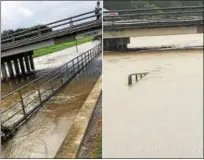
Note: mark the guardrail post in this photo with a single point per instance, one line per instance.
(22, 104)
(73, 66)
(129, 79)
(39, 94)
(136, 78)
(71, 23)
(39, 32)
(13, 39)
(78, 64)
(67, 71)
(61, 80)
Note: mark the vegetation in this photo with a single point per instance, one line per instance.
(99, 150)
(149, 4)
(58, 47)
(97, 142)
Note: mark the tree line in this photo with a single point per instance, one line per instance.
(130, 4)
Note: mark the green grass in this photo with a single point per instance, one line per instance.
(58, 47)
(99, 149)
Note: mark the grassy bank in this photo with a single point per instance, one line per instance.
(58, 47)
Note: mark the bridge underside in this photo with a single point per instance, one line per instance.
(118, 39)
(142, 32)
(18, 61)
(17, 65)
(48, 42)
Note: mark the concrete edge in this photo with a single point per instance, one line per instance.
(75, 136)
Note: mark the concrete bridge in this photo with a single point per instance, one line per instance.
(150, 22)
(17, 49)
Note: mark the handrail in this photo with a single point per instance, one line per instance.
(137, 76)
(51, 23)
(154, 24)
(40, 77)
(39, 31)
(47, 29)
(27, 104)
(154, 9)
(111, 18)
(49, 35)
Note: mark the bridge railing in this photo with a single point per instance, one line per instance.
(138, 76)
(155, 13)
(53, 26)
(149, 16)
(22, 103)
(153, 10)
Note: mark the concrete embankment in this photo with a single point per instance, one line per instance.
(73, 140)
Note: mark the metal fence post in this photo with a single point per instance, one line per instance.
(73, 66)
(61, 81)
(67, 71)
(129, 80)
(39, 94)
(136, 78)
(51, 87)
(22, 103)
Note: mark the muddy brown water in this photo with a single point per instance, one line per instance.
(46, 63)
(161, 116)
(43, 134)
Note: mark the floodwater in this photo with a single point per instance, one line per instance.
(43, 134)
(161, 116)
(46, 63)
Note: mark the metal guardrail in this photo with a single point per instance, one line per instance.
(153, 10)
(154, 24)
(31, 96)
(175, 12)
(137, 76)
(176, 15)
(53, 34)
(67, 22)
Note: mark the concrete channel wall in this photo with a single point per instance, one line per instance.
(71, 145)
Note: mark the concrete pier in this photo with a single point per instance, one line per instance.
(22, 66)
(31, 62)
(113, 44)
(10, 69)
(17, 65)
(27, 64)
(3, 71)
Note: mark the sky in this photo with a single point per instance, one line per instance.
(16, 14)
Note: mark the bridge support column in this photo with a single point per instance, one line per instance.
(22, 65)
(15, 60)
(31, 62)
(116, 44)
(10, 69)
(3, 70)
(27, 64)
